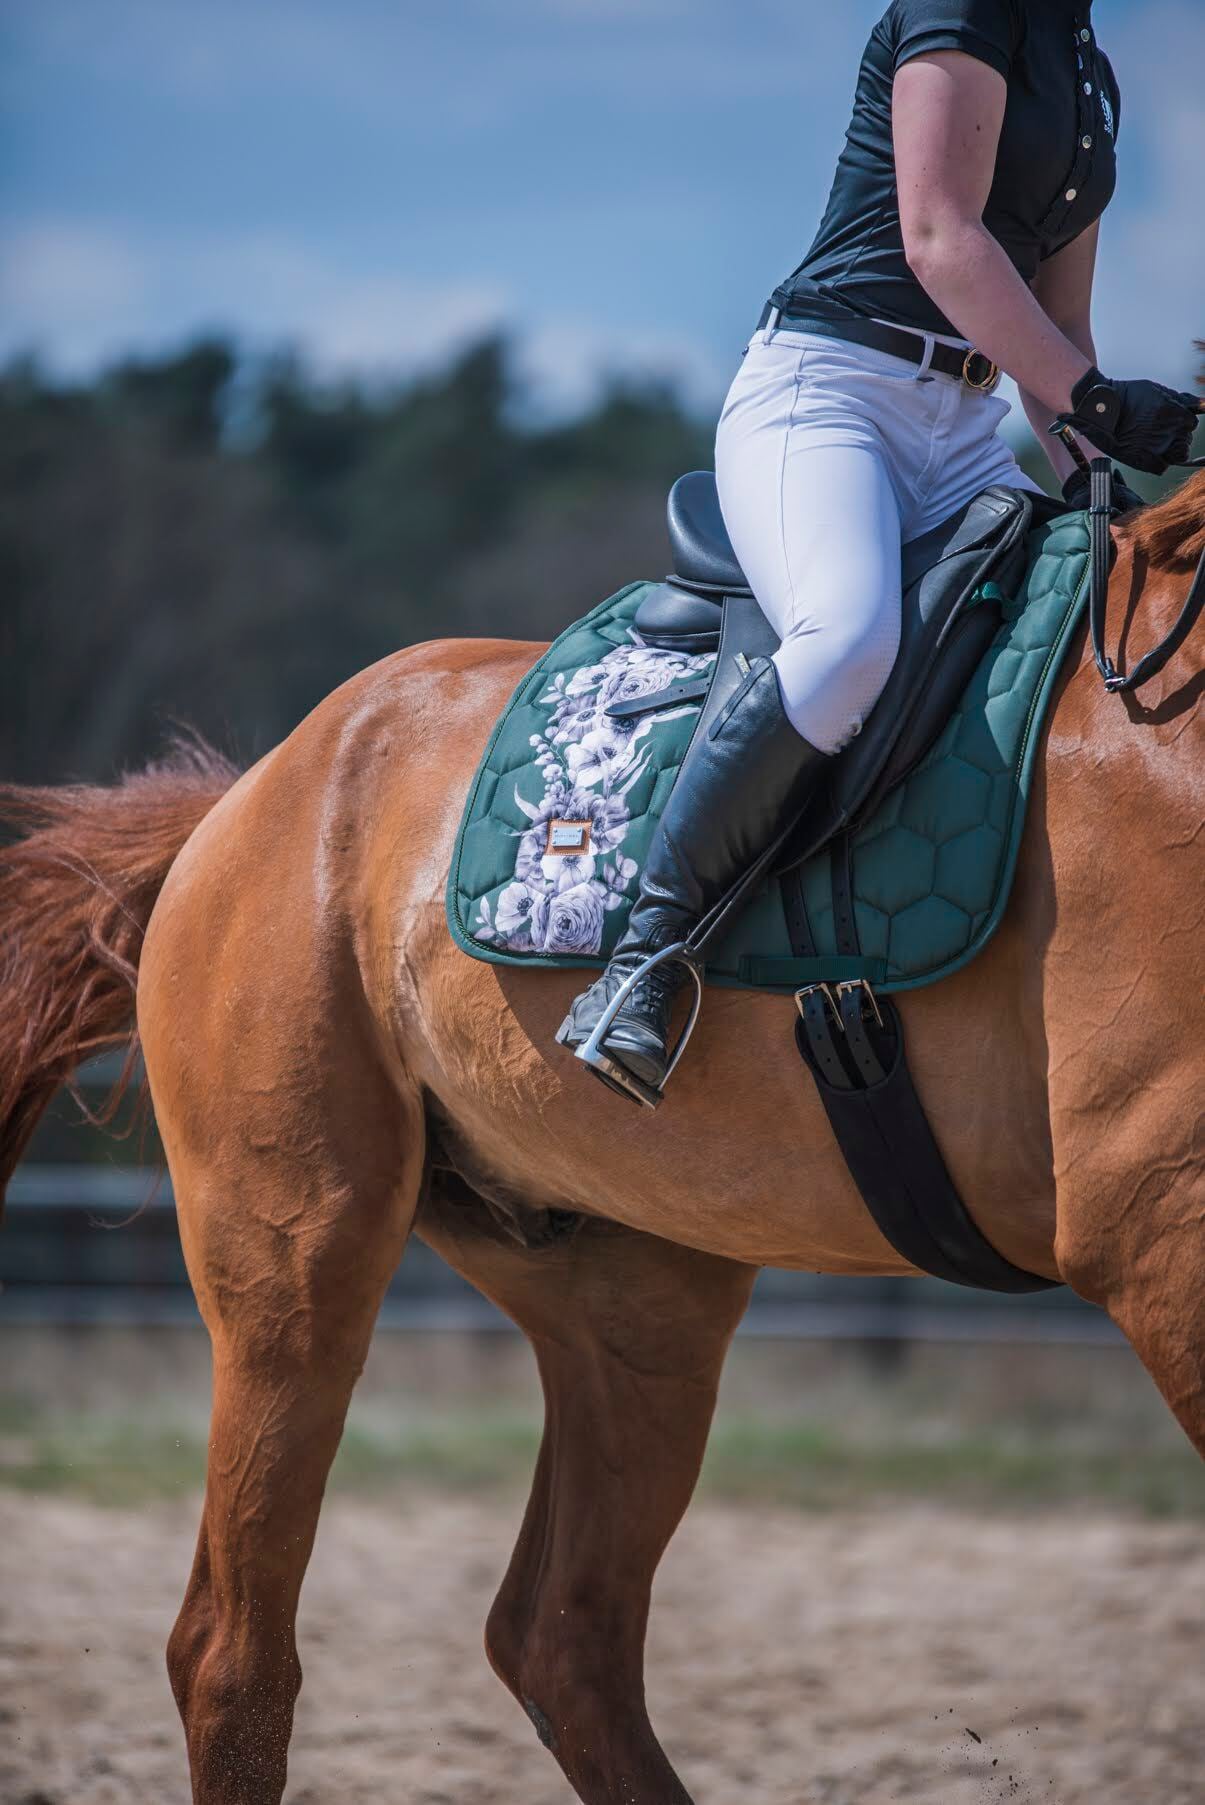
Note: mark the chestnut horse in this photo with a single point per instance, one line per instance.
(330, 1073)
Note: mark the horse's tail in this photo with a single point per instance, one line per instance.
(77, 887)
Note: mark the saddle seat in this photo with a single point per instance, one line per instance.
(957, 580)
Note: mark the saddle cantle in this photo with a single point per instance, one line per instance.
(703, 556)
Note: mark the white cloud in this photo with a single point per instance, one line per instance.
(82, 295)
(48, 264)
(566, 362)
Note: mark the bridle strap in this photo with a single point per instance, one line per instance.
(1101, 554)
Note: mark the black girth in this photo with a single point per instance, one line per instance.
(852, 1042)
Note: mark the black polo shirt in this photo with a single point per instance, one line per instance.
(1055, 167)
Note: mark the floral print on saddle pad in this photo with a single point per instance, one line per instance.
(566, 883)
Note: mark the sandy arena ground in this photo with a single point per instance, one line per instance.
(832, 1660)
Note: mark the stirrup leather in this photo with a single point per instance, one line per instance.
(604, 1065)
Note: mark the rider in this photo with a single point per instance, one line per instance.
(959, 239)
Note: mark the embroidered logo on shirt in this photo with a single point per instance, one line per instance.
(1106, 108)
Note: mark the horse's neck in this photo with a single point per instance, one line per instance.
(1112, 759)
(1160, 551)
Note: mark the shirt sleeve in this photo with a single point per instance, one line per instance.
(988, 30)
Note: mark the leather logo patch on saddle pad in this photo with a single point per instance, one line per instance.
(568, 838)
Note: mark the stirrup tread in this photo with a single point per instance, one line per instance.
(604, 1064)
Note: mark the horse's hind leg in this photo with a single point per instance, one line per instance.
(294, 1210)
(630, 1333)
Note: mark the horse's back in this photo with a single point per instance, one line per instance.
(428, 708)
(308, 863)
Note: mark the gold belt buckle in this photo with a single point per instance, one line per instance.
(984, 385)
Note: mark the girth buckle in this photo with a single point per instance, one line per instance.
(826, 992)
(832, 994)
(868, 996)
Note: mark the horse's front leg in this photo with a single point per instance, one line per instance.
(630, 1334)
(1130, 1163)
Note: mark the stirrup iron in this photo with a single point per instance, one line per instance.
(605, 1066)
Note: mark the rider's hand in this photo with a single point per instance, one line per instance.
(1149, 427)
(1078, 486)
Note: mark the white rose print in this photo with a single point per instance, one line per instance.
(558, 902)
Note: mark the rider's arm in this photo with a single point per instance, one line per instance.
(1063, 290)
(947, 110)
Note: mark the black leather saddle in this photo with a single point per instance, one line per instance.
(956, 579)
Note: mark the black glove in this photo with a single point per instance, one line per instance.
(1077, 492)
(1149, 427)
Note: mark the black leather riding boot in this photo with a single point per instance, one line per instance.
(742, 784)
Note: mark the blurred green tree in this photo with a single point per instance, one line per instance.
(198, 538)
(204, 538)
(184, 395)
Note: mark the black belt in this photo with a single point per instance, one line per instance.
(971, 367)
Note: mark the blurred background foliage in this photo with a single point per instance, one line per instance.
(195, 538)
(209, 539)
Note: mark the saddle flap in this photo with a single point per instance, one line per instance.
(745, 636)
(942, 573)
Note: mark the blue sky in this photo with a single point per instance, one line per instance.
(619, 181)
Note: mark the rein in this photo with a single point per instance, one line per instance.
(1100, 514)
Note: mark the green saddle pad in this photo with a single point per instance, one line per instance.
(565, 802)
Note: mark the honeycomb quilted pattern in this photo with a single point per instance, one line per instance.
(932, 866)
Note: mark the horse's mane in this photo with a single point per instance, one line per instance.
(1172, 532)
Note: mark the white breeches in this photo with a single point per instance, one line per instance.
(829, 456)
